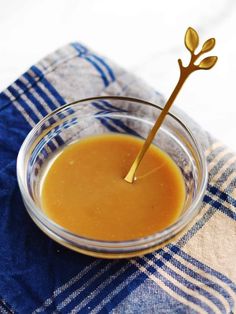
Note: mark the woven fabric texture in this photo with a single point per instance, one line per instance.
(195, 274)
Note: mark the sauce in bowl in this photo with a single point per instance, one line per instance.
(84, 190)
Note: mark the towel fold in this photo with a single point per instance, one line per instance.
(195, 274)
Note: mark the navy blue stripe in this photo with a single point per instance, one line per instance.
(109, 105)
(226, 174)
(49, 136)
(58, 138)
(48, 85)
(46, 142)
(83, 50)
(76, 285)
(19, 83)
(101, 108)
(107, 108)
(32, 98)
(45, 98)
(79, 48)
(99, 69)
(197, 226)
(109, 70)
(107, 125)
(195, 288)
(219, 165)
(111, 287)
(123, 126)
(214, 153)
(190, 285)
(203, 267)
(24, 105)
(128, 289)
(117, 122)
(55, 134)
(177, 290)
(115, 266)
(39, 91)
(222, 195)
(200, 278)
(4, 101)
(82, 47)
(94, 64)
(211, 211)
(70, 122)
(139, 280)
(123, 293)
(225, 210)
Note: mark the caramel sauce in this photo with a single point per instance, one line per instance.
(84, 189)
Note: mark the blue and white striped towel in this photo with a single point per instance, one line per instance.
(196, 274)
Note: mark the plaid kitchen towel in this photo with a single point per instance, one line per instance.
(195, 274)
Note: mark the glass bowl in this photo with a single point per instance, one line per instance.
(101, 115)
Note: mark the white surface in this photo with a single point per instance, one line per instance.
(145, 37)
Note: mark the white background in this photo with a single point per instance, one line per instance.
(144, 36)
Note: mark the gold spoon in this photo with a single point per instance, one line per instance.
(191, 42)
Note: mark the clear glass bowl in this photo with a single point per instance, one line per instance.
(106, 115)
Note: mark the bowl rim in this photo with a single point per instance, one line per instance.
(100, 245)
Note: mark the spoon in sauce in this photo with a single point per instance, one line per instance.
(191, 42)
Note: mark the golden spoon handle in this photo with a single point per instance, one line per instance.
(131, 174)
(191, 42)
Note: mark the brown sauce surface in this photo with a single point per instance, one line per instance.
(84, 190)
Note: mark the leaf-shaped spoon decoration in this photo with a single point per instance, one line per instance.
(191, 42)
(191, 39)
(207, 63)
(208, 45)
